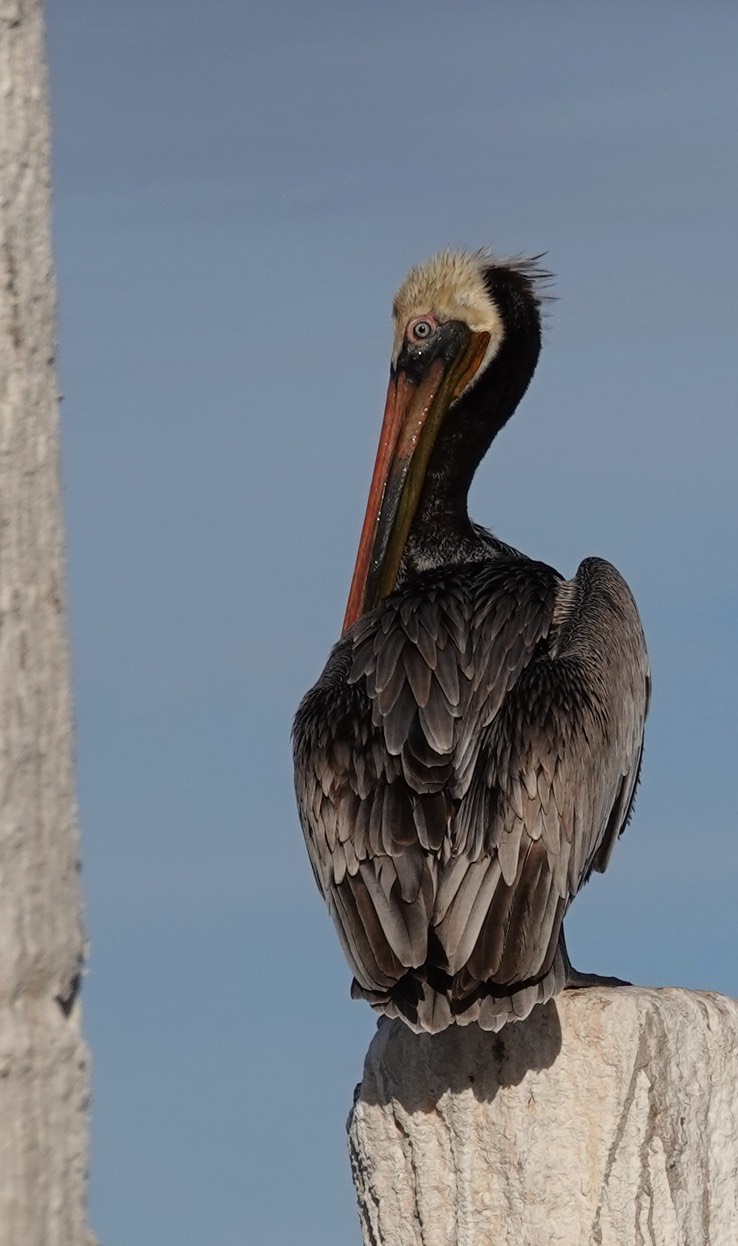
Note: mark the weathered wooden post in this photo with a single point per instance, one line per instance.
(608, 1118)
(43, 1060)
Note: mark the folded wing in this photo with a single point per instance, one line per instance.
(468, 756)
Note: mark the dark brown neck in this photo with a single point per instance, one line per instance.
(475, 419)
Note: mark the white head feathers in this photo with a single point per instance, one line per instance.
(451, 286)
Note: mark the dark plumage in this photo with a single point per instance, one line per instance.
(471, 751)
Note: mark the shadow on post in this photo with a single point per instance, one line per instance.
(416, 1070)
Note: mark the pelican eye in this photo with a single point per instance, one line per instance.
(421, 329)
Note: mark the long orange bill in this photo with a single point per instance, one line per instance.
(413, 415)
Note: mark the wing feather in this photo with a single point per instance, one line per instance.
(468, 757)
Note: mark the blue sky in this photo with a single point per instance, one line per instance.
(239, 190)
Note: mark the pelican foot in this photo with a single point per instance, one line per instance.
(577, 981)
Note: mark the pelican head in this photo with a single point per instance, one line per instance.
(466, 340)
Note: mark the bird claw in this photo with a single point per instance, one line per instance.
(577, 981)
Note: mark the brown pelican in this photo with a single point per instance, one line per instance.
(472, 749)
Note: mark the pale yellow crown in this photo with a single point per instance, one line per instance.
(451, 286)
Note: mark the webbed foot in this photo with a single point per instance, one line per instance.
(576, 981)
